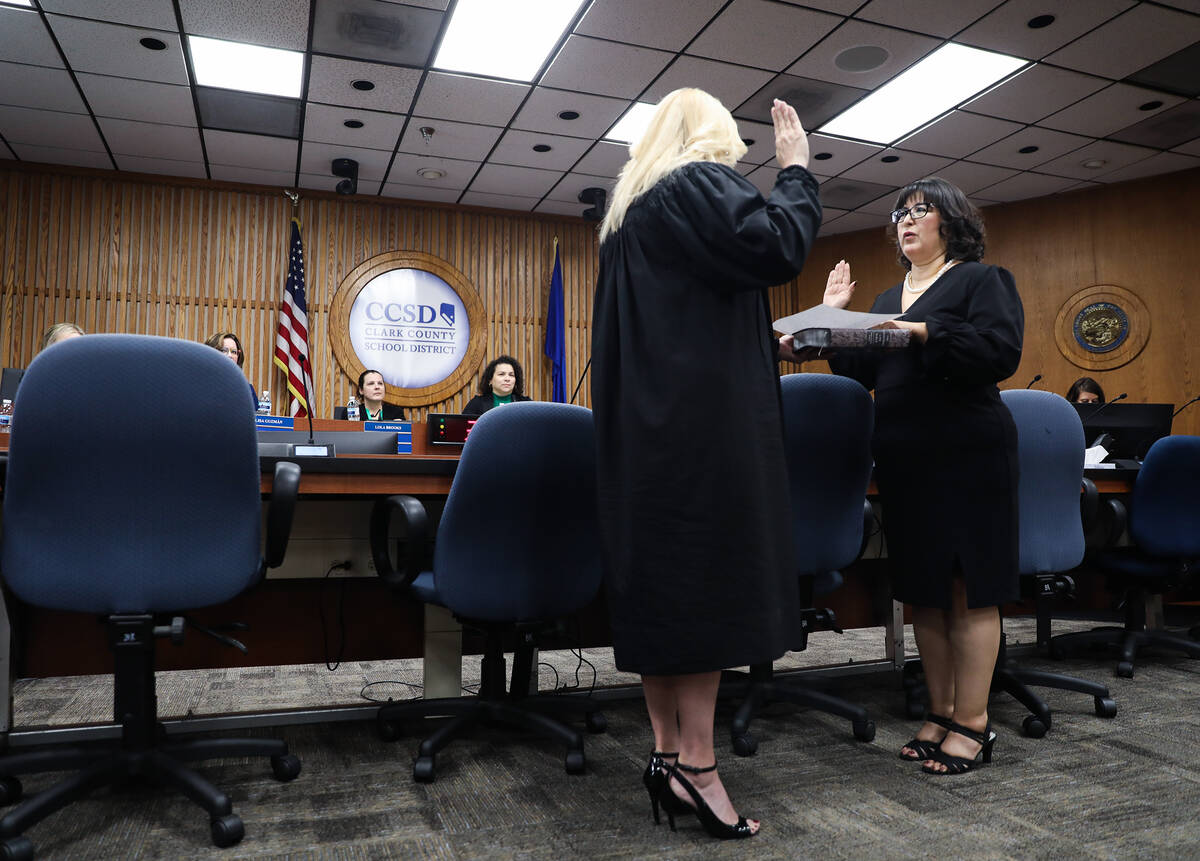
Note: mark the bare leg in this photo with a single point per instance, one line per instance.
(931, 629)
(690, 725)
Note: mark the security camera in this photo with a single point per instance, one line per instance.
(348, 168)
(596, 198)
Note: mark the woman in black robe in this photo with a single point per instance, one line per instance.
(693, 505)
(946, 458)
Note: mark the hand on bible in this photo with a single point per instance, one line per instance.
(919, 330)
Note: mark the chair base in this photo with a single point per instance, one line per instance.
(1127, 642)
(765, 688)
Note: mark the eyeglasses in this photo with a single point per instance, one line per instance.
(231, 352)
(917, 210)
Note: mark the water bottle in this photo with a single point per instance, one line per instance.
(264, 403)
(6, 414)
(352, 410)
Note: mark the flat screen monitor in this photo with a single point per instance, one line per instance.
(449, 428)
(1133, 428)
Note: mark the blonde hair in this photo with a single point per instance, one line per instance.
(688, 125)
(55, 333)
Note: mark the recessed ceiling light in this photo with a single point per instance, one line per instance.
(1094, 163)
(365, 86)
(353, 124)
(430, 173)
(542, 147)
(1039, 22)
(249, 68)
(153, 44)
(568, 115)
(889, 159)
(823, 156)
(1152, 105)
(749, 142)
(631, 126)
(947, 77)
(1026, 150)
(503, 38)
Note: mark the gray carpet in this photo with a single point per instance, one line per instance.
(1128, 787)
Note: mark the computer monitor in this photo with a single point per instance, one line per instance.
(1132, 428)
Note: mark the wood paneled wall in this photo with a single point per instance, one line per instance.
(186, 259)
(183, 258)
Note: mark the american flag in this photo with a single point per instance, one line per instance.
(291, 342)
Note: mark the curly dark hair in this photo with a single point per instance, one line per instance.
(485, 382)
(961, 224)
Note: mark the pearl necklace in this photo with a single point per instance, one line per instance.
(936, 275)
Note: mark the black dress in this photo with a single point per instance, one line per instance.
(693, 504)
(945, 445)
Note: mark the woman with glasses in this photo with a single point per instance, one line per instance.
(946, 458)
(228, 343)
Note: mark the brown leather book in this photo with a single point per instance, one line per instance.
(852, 339)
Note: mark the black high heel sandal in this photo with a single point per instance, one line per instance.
(926, 749)
(655, 778)
(714, 826)
(961, 764)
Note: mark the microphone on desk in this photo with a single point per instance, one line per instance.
(1106, 405)
(1034, 380)
(1185, 406)
(580, 383)
(304, 372)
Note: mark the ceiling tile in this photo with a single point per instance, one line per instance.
(1192, 147)
(258, 152)
(159, 14)
(831, 156)
(568, 188)
(128, 99)
(366, 187)
(330, 80)
(763, 135)
(23, 38)
(252, 175)
(520, 181)
(1163, 162)
(845, 193)
(375, 30)
(1139, 37)
(1035, 93)
(557, 207)
(499, 201)
(39, 87)
(959, 133)
(1186, 5)
(420, 192)
(541, 110)
(48, 128)
(1050, 145)
(170, 167)
(1006, 28)
(1173, 74)
(827, 61)
(458, 172)
(883, 206)
(763, 34)
(935, 17)
(516, 147)
(60, 155)
(763, 179)
(326, 124)
(317, 159)
(853, 221)
(5, 152)
(114, 49)
(604, 159)
(1166, 129)
(841, 7)
(1026, 185)
(816, 102)
(274, 23)
(730, 85)
(253, 113)
(469, 100)
(971, 177)
(909, 166)
(450, 140)
(1110, 109)
(1114, 155)
(665, 24)
(604, 68)
(152, 140)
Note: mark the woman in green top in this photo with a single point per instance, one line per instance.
(503, 382)
(372, 407)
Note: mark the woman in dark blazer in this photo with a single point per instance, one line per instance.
(503, 382)
(371, 405)
(946, 458)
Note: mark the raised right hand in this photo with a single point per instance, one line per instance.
(791, 143)
(839, 289)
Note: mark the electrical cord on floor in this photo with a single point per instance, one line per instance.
(341, 617)
(413, 685)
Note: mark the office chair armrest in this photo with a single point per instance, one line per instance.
(416, 528)
(1110, 525)
(285, 487)
(1089, 504)
(869, 522)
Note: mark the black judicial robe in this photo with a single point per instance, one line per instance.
(698, 556)
(945, 445)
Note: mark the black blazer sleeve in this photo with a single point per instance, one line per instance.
(982, 344)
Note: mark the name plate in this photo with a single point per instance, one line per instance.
(283, 423)
(403, 431)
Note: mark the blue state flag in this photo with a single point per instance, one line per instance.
(556, 341)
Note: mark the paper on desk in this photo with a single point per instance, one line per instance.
(1095, 454)
(825, 317)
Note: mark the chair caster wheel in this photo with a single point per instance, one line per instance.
(285, 767)
(423, 769)
(389, 730)
(10, 790)
(575, 762)
(864, 731)
(1106, 707)
(596, 722)
(744, 744)
(1034, 726)
(1125, 669)
(227, 831)
(17, 849)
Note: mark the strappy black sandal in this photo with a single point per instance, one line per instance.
(926, 749)
(655, 779)
(960, 764)
(713, 825)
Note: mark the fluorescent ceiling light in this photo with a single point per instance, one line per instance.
(249, 68)
(26, 3)
(503, 38)
(633, 125)
(947, 77)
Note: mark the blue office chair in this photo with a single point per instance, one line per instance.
(1164, 523)
(516, 550)
(133, 493)
(828, 421)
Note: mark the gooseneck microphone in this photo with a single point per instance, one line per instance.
(1106, 405)
(1034, 380)
(304, 372)
(581, 377)
(1185, 406)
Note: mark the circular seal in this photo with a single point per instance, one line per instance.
(1101, 327)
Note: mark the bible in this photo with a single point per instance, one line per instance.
(851, 339)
